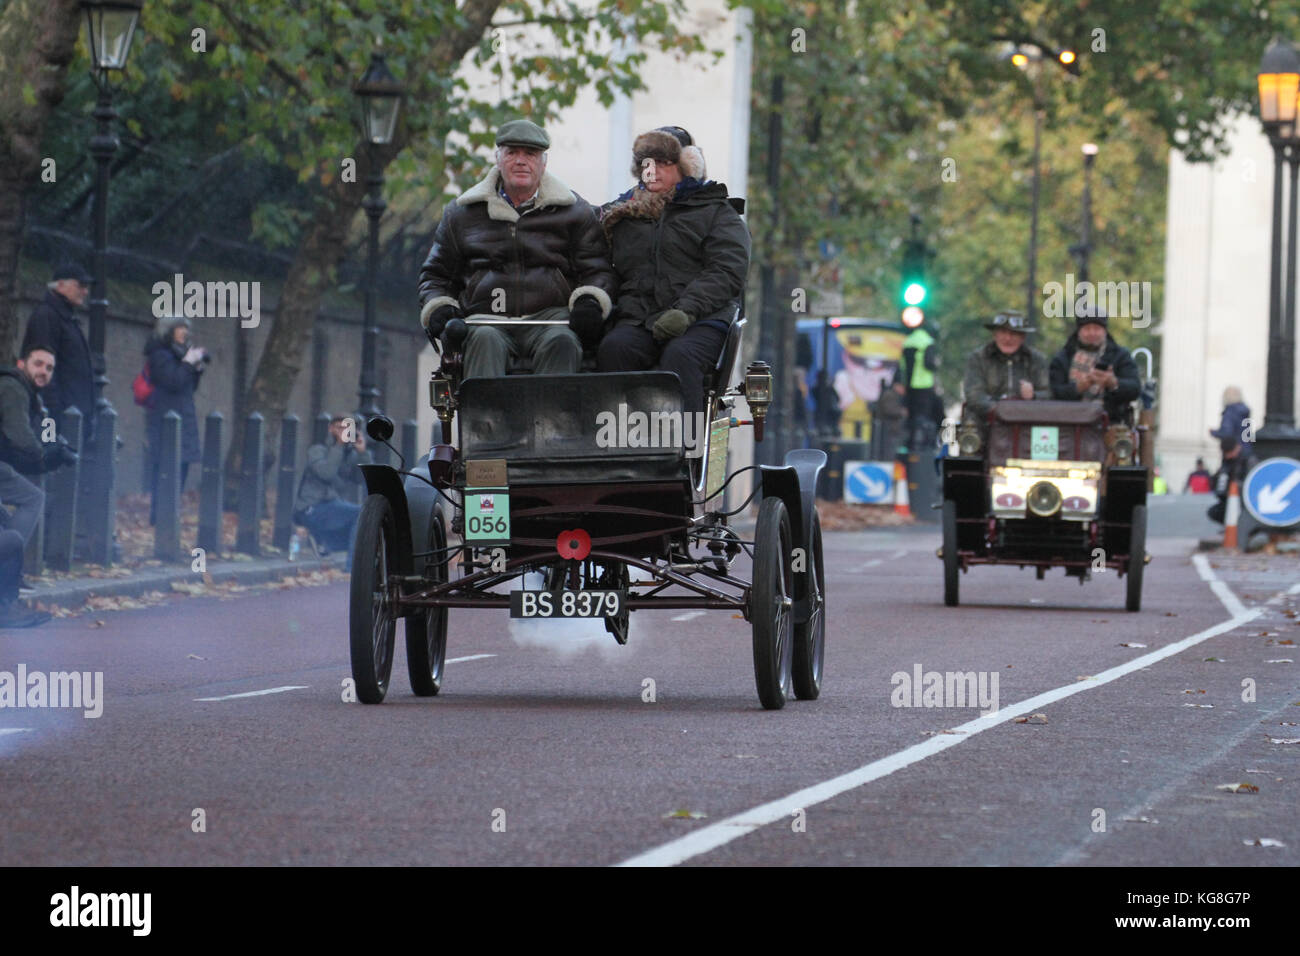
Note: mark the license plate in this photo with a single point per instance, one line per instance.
(487, 516)
(567, 603)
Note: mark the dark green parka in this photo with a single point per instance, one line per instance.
(991, 376)
(687, 250)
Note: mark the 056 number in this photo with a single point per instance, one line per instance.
(489, 525)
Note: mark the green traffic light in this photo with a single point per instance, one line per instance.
(914, 293)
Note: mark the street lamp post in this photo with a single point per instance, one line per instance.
(381, 97)
(1022, 55)
(1083, 251)
(1279, 85)
(111, 27)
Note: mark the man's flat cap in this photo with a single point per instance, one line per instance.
(522, 132)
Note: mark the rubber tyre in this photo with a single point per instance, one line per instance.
(810, 637)
(372, 624)
(1137, 550)
(951, 560)
(426, 629)
(770, 600)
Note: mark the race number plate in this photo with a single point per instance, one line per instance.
(487, 516)
(567, 603)
(1044, 443)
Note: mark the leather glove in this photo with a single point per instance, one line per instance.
(438, 320)
(586, 320)
(670, 325)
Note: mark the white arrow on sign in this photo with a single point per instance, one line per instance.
(1272, 500)
(877, 488)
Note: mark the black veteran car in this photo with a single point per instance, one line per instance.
(1046, 484)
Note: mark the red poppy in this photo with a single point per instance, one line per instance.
(574, 545)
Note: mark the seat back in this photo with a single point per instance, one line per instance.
(1079, 430)
(725, 369)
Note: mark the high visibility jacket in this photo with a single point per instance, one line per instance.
(920, 363)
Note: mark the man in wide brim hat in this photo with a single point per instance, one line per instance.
(1004, 367)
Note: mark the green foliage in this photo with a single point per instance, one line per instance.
(879, 97)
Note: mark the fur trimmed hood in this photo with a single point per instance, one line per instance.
(551, 192)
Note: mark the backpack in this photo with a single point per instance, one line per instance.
(142, 389)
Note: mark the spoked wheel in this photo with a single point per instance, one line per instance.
(426, 629)
(951, 559)
(1137, 558)
(770, 600)
(810, 636)
(373, 624)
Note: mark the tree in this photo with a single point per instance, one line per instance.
(37, 40)
(287, 70)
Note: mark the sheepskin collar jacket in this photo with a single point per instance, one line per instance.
(488, 257)
(686, 250)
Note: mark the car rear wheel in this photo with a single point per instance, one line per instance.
(951, 559)
(1137, 557)
(426, 629)
(770, 604)
(372, 620)
(810, 636)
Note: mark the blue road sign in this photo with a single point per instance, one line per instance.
(1271, 492)
(869, 482)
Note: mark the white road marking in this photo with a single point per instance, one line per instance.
(1221, 590)
(718, 834)
(257, 693)
(14, 730)
(471, 657)
(688, 616)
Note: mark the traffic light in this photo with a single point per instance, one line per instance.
(915, 283)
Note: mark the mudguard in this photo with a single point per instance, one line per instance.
(423, 504)
(795, 483)
(385, 480)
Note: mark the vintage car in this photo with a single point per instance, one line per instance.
(529, 478)
(1046, 484)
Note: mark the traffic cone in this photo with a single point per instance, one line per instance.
(1231, 514)
(901, 505)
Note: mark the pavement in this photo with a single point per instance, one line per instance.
(129, 582)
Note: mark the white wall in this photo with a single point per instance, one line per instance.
(1215, 328)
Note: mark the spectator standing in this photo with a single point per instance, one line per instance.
(54, 324)
(326, 504)
(1236, 413)
(1199, 481)
(1238, 459)
(174, 368)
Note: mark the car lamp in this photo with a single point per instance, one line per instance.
(968, 440)
(758, 393)
(440, 397)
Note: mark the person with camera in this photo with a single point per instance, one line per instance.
(24, 423)
(326, 503)
(174, 367)
(1092, 366)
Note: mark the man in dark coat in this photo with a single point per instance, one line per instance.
(1238, 460)
(174, 368)
(1004, 368)
(681, 253)
(522, 244)
(1092, 366)
(53, 324)
(23, 422)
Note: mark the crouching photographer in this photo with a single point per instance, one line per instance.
(23, 424)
